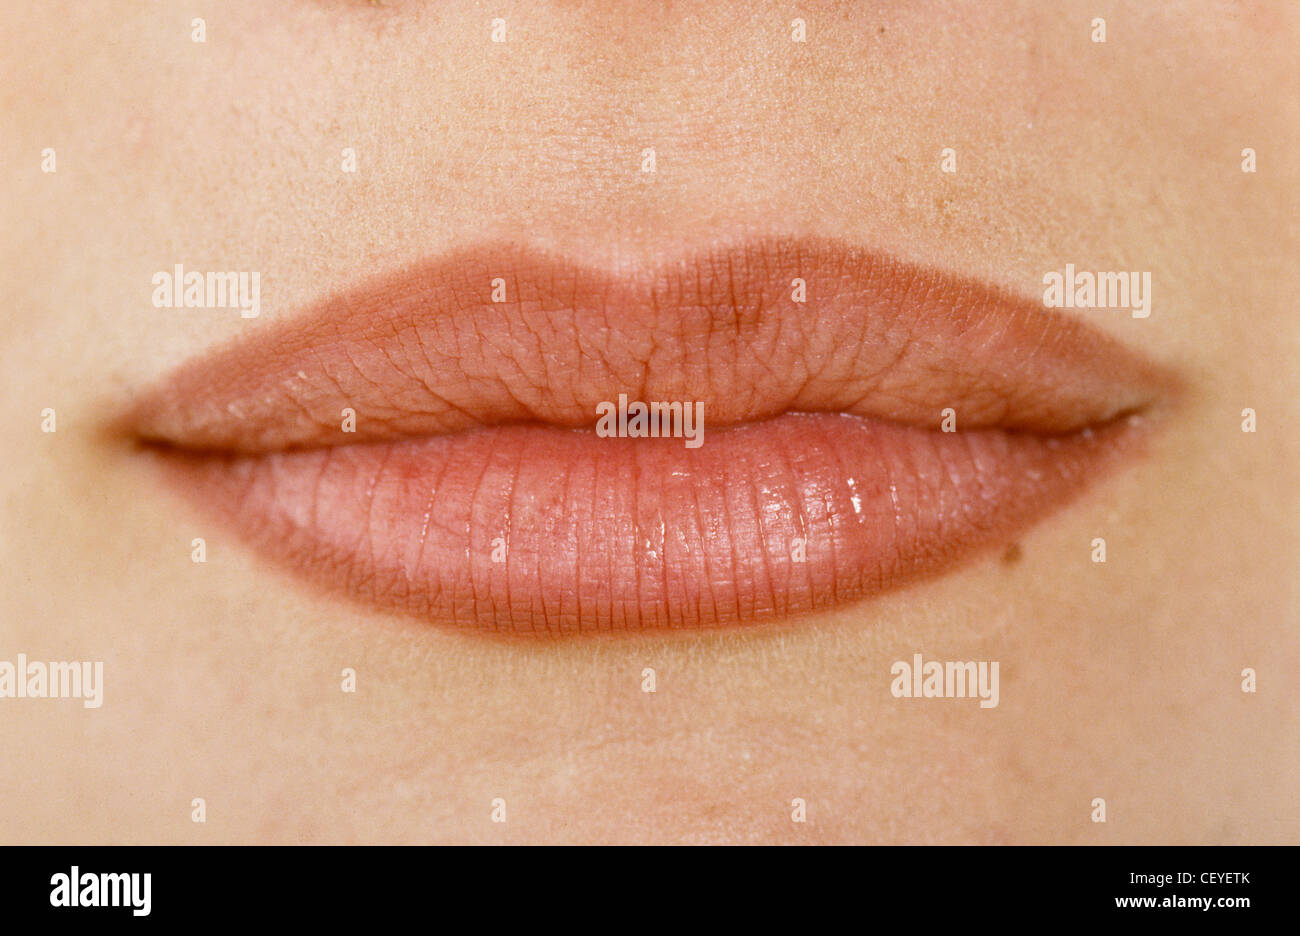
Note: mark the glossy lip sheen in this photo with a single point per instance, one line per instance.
(474, 437)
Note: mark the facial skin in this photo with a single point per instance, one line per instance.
(1120, 681)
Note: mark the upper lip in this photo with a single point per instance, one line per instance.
(399, 440)
(427, 351)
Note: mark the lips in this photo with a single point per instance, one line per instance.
(426, 443)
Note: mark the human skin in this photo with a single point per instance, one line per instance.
(1120, 680)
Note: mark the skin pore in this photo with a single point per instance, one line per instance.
(1120, 680)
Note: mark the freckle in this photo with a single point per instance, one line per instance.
(1012, 554)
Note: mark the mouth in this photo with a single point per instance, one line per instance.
(432, 442)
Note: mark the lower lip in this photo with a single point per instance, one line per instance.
(542, 529)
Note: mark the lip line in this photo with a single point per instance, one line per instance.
(629, 533)
(411, 312)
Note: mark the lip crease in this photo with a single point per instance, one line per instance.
(475, 491)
